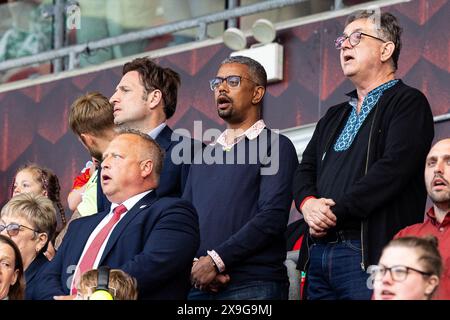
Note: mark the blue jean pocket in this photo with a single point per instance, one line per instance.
(354, 245)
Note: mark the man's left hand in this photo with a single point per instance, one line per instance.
(219, 282)
(317, 234)
(203, 272)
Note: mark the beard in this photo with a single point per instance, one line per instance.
(225, 114)
(229, 116)
(441, 197)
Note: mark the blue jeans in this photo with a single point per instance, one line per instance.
(335, 272)
(251, 290)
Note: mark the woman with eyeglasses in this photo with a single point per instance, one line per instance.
(12, 285)
(409, 269)
(30, 221)
(38, 180)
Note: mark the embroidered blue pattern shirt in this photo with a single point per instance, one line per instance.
(356, 120)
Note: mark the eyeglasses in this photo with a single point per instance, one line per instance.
(233, 81)
(398, 273)
(354, 38)
(13, 229)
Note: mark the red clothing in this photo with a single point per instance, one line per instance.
(442, 232)
(81, 179)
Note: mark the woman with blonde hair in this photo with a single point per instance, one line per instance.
(30, 221)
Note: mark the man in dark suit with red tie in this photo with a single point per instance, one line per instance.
(152, 239)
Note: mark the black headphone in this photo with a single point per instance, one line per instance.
(102, 291)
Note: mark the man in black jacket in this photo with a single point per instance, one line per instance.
(361, 177)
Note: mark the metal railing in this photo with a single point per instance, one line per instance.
(200, 23)
(442, 118)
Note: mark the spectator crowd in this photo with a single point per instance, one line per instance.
(159, 215)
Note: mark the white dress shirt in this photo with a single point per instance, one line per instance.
(154, 133)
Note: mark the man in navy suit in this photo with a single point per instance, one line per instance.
(153, 239)
(145, 98)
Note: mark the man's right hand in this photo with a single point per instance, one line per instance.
(219, 282)
(318, 214)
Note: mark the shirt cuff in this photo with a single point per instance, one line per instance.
(217, 260)
(304, 200)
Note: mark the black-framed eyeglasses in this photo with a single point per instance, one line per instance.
(398, 273)
(233, 81)
(354, 38)
(13, 228)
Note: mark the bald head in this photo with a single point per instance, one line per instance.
(444, 143)
(149, 148)
(131, 164)
(437, 173)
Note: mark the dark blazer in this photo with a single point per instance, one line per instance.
(32, 274)
(174, 174)
(390, 193)
(155, 242)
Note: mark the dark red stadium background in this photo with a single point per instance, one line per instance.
(34, 120)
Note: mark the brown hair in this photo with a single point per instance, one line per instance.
(17, 290)
(37, 210)
(389, 29)
(49, 182)
(154, 77)
(427, 250)
(124, 285)
(91, 113)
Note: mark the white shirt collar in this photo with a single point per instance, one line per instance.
(251, 133)
(131, 202)
(154, 132)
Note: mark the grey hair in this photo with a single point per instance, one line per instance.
(256, 70)
(37, 210)
(388, 29)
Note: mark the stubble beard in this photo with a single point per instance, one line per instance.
(441, 197)
(225, 114)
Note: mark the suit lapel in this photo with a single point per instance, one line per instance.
(83, 233)
(142, 204)
(164, 138)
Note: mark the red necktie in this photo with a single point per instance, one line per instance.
(88, 259)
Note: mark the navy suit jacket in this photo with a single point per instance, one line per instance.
(155, 242)
(174, 175)
(32, 274)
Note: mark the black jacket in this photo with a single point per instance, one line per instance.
(391, 193)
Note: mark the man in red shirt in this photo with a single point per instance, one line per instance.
(437, 221)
